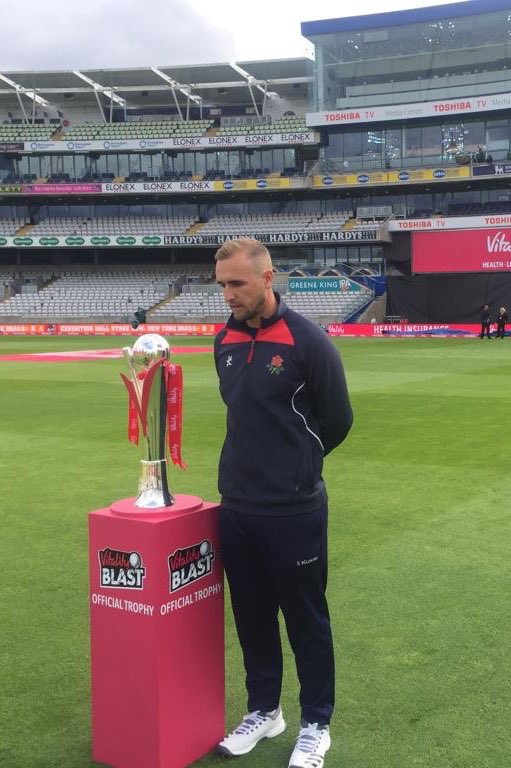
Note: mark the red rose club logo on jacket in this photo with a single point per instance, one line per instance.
(190, 564)
(276, 365)
(121, 570)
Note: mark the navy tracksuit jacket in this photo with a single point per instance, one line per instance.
(287, 407)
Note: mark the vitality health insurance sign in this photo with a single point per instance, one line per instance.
(475, 250)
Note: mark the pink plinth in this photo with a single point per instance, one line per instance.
(157, 634)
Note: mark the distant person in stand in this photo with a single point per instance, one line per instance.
(501, 323)
(480, 156)
(485, 322)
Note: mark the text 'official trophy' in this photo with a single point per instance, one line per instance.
(155, 391)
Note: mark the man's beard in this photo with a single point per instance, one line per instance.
(251, 314)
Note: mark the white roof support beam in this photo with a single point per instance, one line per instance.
(252, 82)
(250, 79)
(265, 98)
(238, 84)
(249, 86)
(29, 93)
(22, 107)
(98, 88)
(186, 90)
(173, 85)
(176, 102)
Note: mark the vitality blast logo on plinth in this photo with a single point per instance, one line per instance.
(190, 564)
(121, 570)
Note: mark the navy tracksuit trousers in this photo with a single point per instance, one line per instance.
(272, 563)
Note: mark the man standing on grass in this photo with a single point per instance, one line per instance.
(485, 321)
(287, 402)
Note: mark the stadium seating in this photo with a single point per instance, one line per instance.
(9, 227)
(195, 305)
(288, 124)
(113, 225)
(95, 293)
(24, 132)
(207, 302)
(180, 225)
(114, 296)
(102, 294)
(274, 223)
(157, 129)
(336, 307)
(365, 225)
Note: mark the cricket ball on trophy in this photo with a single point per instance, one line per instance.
(148, 348)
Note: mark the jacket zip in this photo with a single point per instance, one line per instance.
(251, 351)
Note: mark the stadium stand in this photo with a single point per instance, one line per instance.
(105, 294)
(132, 225)
(11, 226)
(23, 132)
(336, 167)
(181, 225)
(291, 124)
(166, 293)
(197, 304)
(291, 222)
(335, 308)
(157, 129)
(207, 303)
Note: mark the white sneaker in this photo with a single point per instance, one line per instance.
(311, 746)
(254, 727)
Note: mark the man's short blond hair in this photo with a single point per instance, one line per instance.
(253, 248)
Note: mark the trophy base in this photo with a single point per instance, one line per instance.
(183, 505)
(153, 491)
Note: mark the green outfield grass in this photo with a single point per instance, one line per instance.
(419, 583)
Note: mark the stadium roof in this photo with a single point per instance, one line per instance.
(212, 85)
(401, 18)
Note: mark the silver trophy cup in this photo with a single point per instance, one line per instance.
(147, 391)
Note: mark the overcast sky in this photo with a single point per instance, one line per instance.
(127, 33)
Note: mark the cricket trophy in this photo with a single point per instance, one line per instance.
(155, 406)
(156, 594)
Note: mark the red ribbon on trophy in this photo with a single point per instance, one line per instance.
(134, 413)
(137, 413)
(174, 387)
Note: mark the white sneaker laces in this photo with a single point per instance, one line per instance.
(309, 742)
(251, 723)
